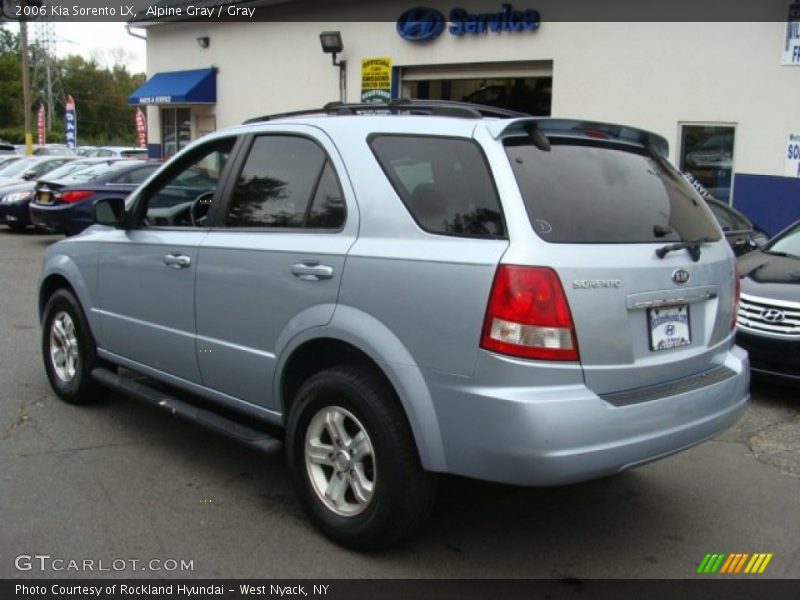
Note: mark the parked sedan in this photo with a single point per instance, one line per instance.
(29, 168)
(768, 322)
(65, 206)
(15, 199)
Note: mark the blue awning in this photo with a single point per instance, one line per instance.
(198, 86)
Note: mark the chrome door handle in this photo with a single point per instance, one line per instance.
(312, 271)
(177, 261)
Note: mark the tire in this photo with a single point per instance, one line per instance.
(69, 350)
(380, 493)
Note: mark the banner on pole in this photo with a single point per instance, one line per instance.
(141, 128)
(40, 126)
(70, 122)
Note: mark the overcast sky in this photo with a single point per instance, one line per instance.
(102, 41)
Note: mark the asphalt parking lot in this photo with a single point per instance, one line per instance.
(121, 481)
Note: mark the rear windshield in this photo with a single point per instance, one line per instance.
(98, 170)
(594, 192)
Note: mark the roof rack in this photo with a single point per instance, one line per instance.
(441, 108)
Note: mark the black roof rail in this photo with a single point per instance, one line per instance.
(442, 108)
(296, 113)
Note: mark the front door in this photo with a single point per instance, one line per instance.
(146, 274)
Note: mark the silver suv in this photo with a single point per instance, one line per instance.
(410, 289)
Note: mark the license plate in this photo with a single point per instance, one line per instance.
(44, 197)
(669, 327)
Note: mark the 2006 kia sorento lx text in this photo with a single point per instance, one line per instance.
(443, 288)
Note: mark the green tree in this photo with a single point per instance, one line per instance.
(100, 94)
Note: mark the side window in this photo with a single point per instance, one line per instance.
(327, 211)
(286, 182)
(184, 196)
(444, 183)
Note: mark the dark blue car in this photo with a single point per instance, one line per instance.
(65, 205)
(15, 197)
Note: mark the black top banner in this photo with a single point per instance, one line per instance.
(209, 11)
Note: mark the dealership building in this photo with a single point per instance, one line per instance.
(726, 95)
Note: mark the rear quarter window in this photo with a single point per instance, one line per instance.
(445, 183)
(593, 192)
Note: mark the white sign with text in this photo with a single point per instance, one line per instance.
(791, 41)
(793, 156)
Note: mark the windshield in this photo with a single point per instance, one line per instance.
(788, 243)
(18, 167)
(594, 192)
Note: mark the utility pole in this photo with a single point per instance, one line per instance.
(26, 85)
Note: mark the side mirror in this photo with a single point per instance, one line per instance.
(109, 211)
(28, 175)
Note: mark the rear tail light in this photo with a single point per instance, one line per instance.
(528, 315)
(75, 196)
(737, 291)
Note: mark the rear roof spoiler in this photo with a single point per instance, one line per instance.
(574, 128)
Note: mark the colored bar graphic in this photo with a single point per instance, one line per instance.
(717, 564)
(702, 567)
(731, 564)
(741, 563)
(765, 563)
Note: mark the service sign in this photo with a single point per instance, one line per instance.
(376, 79)
(793, 155)
(791, 43)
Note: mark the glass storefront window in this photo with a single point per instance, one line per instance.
(707, 153)
(176, 130)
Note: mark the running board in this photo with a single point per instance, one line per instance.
(254, 438)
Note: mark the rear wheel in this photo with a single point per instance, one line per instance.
(353, 459)
(69, 350)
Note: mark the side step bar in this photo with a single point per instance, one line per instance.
(254, 438)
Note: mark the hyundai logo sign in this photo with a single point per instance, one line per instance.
(420, 24)
(773, 315)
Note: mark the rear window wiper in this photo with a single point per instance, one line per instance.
(693, 247)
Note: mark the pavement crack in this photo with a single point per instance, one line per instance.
(22, 418)
(80, 449)
(778, 445)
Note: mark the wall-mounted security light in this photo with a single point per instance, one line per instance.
(204, 42)
(332, 44)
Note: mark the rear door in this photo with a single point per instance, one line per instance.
(604, 216)
(273, 265)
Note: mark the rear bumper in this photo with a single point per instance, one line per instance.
(564, 434)
(16, 214)
(62, 218)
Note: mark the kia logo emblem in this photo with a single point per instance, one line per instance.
(420, 24)
(772, 315)
(680, 276)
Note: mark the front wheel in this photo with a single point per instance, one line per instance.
(353, 459)
(68, 350)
